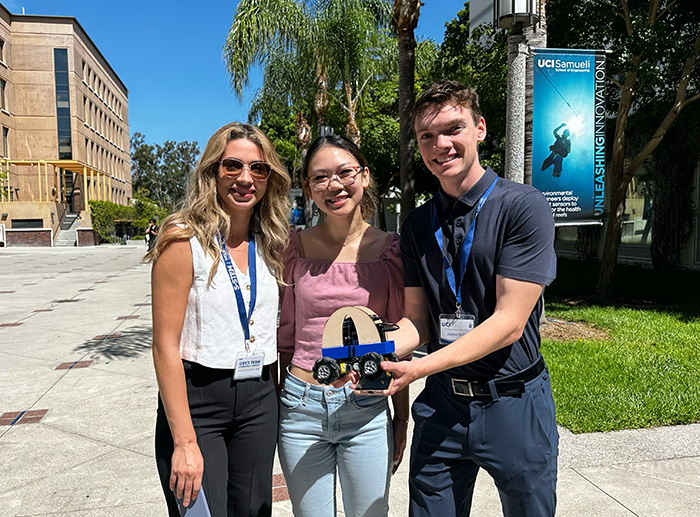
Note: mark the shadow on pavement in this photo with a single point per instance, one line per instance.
(120, 345)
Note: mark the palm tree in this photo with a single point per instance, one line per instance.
(335, 37)
(405, 20)
(287, 82)
(268, 33)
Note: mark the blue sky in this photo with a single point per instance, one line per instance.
(169, 55)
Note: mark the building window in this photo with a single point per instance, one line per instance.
(2, 50)
(60, 57)
(5, 142)
(3, 101)
(23, 224)
(636, 221)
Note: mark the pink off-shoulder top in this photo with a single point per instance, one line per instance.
(317, 288)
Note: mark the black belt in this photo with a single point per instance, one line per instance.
(511, 385)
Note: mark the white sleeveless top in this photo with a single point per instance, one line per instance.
(211, 333)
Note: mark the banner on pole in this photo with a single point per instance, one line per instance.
(568, 133)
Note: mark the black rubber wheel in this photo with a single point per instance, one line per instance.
(326, 370)
(369, 365)
(394, 357)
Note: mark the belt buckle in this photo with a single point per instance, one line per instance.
(469, 385)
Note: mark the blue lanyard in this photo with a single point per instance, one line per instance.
(456, 284)
(245, 318)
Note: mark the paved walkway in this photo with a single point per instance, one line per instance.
(78, 398)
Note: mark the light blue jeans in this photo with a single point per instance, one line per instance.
(327, 432)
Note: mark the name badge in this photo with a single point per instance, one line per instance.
(248, 366)
(454, 326)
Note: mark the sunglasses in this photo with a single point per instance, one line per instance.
(234, 167)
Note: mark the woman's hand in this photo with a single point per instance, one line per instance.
(186, 472)
(400, 430)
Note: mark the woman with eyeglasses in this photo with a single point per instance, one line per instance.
(329, 431)
(217, 265)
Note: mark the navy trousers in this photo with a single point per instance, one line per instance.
(514, 438)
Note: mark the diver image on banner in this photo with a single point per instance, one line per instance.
(560, 150)
(568, 133)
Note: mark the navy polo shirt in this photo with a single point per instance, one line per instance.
(513, 237)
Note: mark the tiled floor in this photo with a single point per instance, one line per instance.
(22, 417)
(74, 364)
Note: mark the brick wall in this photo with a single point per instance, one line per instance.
(28, 238)
(87, 237)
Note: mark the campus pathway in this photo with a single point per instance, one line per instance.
(78, 398)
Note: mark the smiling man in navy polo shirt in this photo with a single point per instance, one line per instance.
(477, 257)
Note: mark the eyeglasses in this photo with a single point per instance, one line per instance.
(345, 177)
(233, 167)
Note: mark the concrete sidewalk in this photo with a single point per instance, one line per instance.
(78, 398)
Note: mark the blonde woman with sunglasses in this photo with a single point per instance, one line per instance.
(216, 269)
(329, 432)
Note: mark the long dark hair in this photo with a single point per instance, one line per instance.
(368, 205)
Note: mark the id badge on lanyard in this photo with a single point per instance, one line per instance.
(249, 364)
(453, 326)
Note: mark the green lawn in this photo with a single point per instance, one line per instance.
(647, 374)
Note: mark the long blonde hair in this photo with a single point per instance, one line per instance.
(203, 214)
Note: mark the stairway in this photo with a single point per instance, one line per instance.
(67, 235)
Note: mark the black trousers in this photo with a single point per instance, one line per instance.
(236, 426)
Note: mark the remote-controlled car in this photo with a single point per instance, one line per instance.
(354, 339)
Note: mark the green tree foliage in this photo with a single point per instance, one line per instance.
(162, 170)
(381, 131)
(669, 179)
(372, 94)
(337, 42)
(145, 209)
(654, 47)
(104, 214)
(278, 123)
(479, 61)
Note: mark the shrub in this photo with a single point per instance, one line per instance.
(104, 213)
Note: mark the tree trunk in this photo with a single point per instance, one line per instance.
(406, 13)
(321, 103)
(619, 178)
(407, 46)
(611, 244)
(352, 130)
(302, 133)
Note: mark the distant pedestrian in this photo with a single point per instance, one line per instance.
(216, 269)
(298, 218)
(151, 234)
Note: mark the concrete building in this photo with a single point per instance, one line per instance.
(64, 117)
